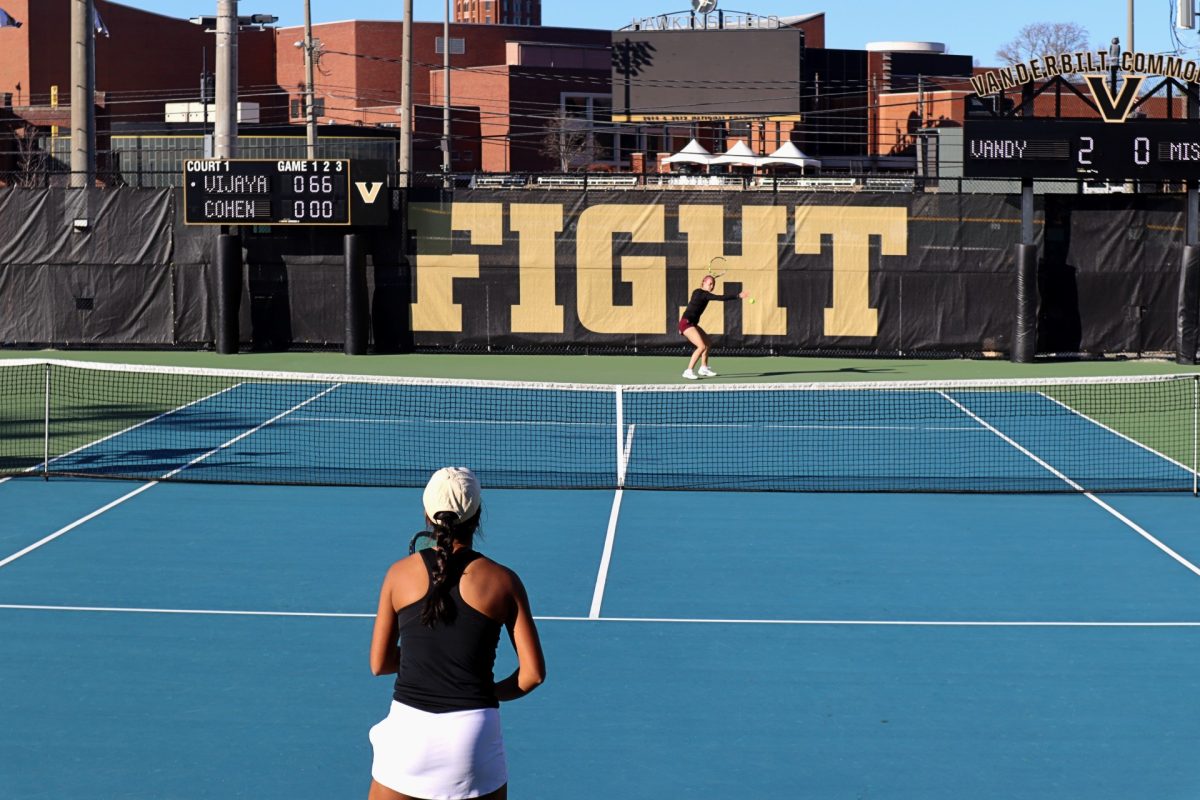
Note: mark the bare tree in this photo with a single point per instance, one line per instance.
(1044, 38)
(31, 159)
(565, 140)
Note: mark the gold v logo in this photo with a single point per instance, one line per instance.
(1115, 109)
(368, 191)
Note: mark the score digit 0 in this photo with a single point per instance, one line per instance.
(313, 209)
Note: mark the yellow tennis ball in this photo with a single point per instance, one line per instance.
(752, 301)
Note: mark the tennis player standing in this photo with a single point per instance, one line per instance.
(437, 628)
(689, 326)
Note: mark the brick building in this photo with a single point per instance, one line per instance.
(499, 12)
(131, 91)
(506, 82)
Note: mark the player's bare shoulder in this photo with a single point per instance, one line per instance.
(494, 572)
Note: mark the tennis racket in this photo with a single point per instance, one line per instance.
(712, 267)
(421, 541)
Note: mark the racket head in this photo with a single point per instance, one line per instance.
(713, 266)
(423, 540)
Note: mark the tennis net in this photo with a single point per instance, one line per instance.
(159, 423)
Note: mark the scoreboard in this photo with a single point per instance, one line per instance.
(267, 192)
(1150, 150)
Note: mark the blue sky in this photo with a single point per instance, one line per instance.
(849, 23)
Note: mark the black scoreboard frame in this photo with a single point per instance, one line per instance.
(279, 192)
(1082, 149)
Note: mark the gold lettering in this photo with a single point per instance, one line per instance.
(757, 268)
(1127, 61)
(595, 274)
(851, 228)
(535, 225)
(1051, 66)
(1154, 64)
(1006, 78)
(437, 268)
(977, 83)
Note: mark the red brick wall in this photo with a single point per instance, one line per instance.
(357, 83)
(165, 64)
(487, 90)
(14, 54)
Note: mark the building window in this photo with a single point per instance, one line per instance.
(594, 114)
(576, 106)
(457, 46)
(297, 107)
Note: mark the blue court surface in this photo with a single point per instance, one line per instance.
(182, 640)
(211, 641)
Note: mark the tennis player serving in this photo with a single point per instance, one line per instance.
(689, 325)
(439, 619)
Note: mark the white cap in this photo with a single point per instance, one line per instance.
(454, 489)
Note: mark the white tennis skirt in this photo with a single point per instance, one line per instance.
(450, 756)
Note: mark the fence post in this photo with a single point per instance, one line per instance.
(357, 308)
(229, 292)
(1187, 326)
(1024, 343)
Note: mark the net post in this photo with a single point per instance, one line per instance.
(46, 427)
(620, 399)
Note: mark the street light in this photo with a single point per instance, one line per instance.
(226, 24)
(260, 20)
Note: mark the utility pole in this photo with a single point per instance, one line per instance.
(446, 97)
(204, 101)
(406, 105)
(83, 93)
(225, 123)
(309, 99)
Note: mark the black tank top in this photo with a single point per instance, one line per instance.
(447, 667)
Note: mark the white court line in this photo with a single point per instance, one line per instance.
(749, 425)
(611, 535)
(606, 556)
(1130, 523)
(912, 623)
(442, 421)
(1115, 432)
(67, 529)
(81, 448)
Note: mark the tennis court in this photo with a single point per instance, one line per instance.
(1030, 628)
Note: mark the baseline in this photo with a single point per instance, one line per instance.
(901, 623)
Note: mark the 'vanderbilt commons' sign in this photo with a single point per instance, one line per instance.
(626, 244)
(1087, 63)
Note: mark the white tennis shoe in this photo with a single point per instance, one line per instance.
(705, 372)
(691, 376)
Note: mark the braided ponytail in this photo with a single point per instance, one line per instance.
(446, 531)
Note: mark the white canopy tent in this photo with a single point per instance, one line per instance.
(693, 153)
(789, 156)
(738, 155)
